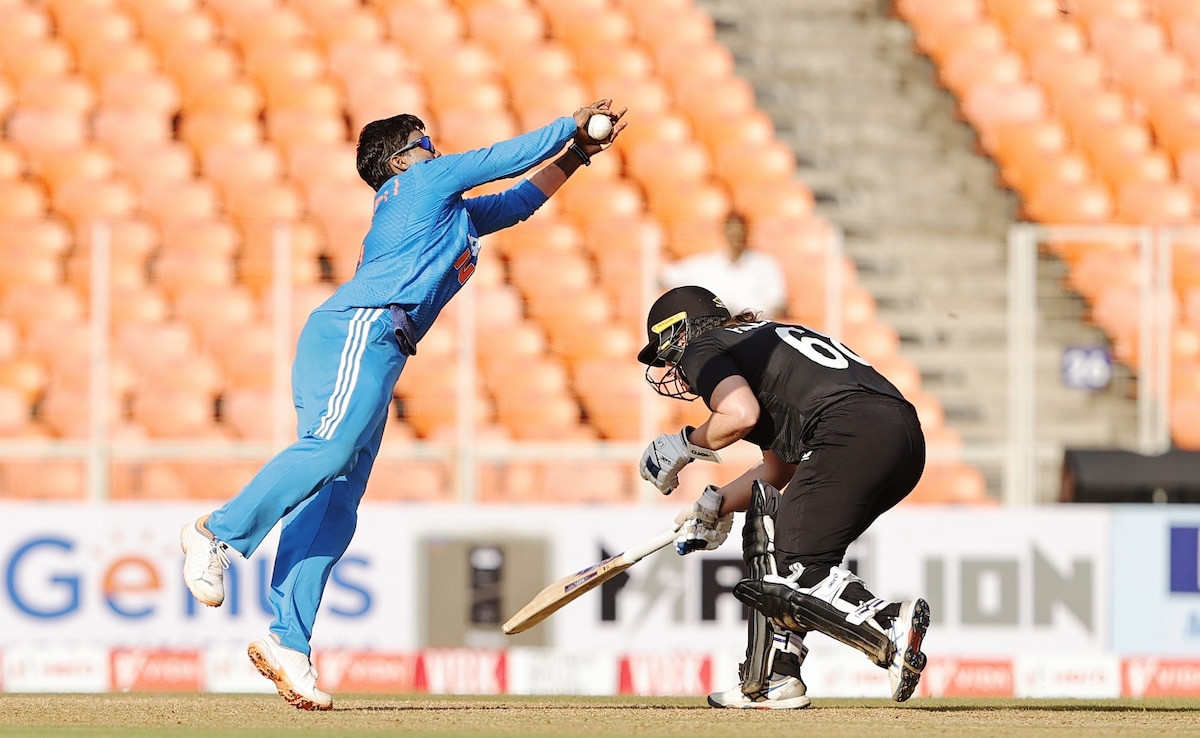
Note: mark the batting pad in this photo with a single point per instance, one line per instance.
(801, 612)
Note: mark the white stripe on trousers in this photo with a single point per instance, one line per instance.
(348, 369)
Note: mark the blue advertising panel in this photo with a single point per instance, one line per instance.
(1156, 580)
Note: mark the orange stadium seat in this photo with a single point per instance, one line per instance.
(702, 201)
(941, 39)
(547, 416)
(16, 416)
(371, 97)
(1090, 12)
(176, 412)
(1156, 203)
(291, 127)
(19, 23)
(21, 199)
(28, 58)
(1124, 41)
(1146, 77)
(196, 65)
(666, 164)
(539, 236)
(467, 128)
(1063, 71)
(587, 201)
(205, 129)
(168, 25)
(546, 58)
(152, 91)
(1175, 120)
(12, 161)
(237, 97)
(1071, 203)
(409, 480)
(989, 104)
(1032, 35)
(1119, 168)
(235, 166)
(82, 201)
(25, 377)
(69, 92)
(355, 24)
(88, 162)
(510, 345)
(269, 26)
(612, 392)
(209, 308)
(186, 200)
(127, 132)
(1185, 431)
(1102, 270)
(950, 483)
(505, 29)
(66, 410)
(266, 202)
(586, 482)
(970, 66)
(1175, 11)
(36, 131)
(562, 310)
(43, 479)
(180, 269)
(1011, 12)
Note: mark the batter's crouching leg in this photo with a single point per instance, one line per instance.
(770, 675)
(890, 634)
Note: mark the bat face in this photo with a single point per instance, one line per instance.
(583, 576)
(557, 594)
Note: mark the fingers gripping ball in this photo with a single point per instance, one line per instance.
(599, 127)
(701, 526)
(667, 454)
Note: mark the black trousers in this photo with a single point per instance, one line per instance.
(865, 454)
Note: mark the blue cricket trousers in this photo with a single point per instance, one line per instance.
(347, 363)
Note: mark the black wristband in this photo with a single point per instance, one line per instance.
(587, 160)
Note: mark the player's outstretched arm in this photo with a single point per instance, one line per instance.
(549, 179)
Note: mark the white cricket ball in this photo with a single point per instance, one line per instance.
(599, 126)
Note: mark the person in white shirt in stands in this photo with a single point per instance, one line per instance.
(742, 276)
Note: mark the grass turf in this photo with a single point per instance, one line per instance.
(267, 716)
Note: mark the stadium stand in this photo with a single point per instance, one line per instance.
(197, 128)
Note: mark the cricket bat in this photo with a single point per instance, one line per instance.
(557, 594)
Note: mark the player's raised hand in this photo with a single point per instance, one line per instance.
(594, 144)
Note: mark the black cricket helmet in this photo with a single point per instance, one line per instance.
(678, 316)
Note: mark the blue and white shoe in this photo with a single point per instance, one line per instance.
(782, 693)
(205, 560)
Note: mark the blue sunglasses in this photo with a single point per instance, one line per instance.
(422, 142)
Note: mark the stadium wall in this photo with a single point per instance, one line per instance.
(1083, 601)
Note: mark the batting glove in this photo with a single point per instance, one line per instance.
(701, 528)
(667, 454)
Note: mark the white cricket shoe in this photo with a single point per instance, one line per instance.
(293, 674)
(907, 632)
(782, 693)
(204, 563)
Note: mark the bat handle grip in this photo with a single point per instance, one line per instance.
(662, 540)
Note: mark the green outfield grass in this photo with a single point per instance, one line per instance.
(266, 716)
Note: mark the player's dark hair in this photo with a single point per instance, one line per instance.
(742, 318)
(377, 141)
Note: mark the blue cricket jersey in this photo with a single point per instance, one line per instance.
(423, 243)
